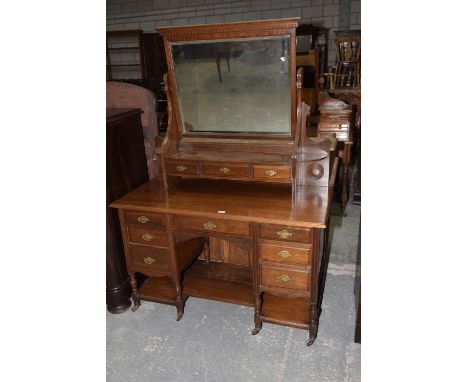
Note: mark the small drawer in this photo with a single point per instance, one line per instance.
(156, 259)
(147, 235)
(144, 219)
(178, 167)
(278, 232)
(226, 170)
(284, 278)
(210, 225)
(285, 253)
(272, 172)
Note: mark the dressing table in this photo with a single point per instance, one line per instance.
(240, 212)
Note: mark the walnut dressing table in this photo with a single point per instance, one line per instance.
(240, 212)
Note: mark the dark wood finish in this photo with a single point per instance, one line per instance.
(335, 120)
(278, 252)
(152, 260)
(221, 282)
(285, 311)
(242, 156)
(283, 277)
(348, 60)
(145, 235)
(147, 220)
(243, 218)
(126, 169)
(181, 167)
(272, 172)
(226, 170)
(211, 225)
(353, 98)
(252, 217)
(158, 290)
(276, 232)
(319, 42)
(242, 202)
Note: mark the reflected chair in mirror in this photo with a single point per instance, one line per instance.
(121, 95)
(223, 50)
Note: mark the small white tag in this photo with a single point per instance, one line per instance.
(221, 212)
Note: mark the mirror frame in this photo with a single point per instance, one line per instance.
(264, 28)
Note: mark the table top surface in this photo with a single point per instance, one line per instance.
(241, 201)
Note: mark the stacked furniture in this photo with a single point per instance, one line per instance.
(240, 211)
(138, 58)
(124, 95)
(125, 170)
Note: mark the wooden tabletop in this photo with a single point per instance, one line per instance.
(242, 201)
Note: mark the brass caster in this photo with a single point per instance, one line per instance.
(179, 316)
(311, 341)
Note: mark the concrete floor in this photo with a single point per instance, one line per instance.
(213, 342)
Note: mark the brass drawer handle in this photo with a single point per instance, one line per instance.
(147, 237)
(225, 170)
(209, 225)
(271, 172)
(283, 234)
(284, 254)
(181, 168)
(143, 219)
(284, 278)
(149, 260)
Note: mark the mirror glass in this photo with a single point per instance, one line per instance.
(234, 85)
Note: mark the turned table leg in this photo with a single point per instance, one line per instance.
(313, 327)
(135, 298)
(258, 309)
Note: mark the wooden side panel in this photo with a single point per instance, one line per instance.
(237, 252)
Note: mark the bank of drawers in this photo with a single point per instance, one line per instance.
(285, 257)
(148, 229)
(280, 173)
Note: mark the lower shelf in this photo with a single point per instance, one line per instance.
(159, 289)
(215, 281)
(286, 311)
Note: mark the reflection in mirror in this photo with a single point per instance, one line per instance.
(234, 85)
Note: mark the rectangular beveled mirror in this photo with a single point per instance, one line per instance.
(234, 85)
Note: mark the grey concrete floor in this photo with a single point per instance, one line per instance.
(213, 342)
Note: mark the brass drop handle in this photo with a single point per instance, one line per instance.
(271, 172)
(225, 170)
(149, 260)
(284, 278)
(209, 225)
(143, 219)
(283, 234)
(181, 168)
(284, 254)
(147, 237)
